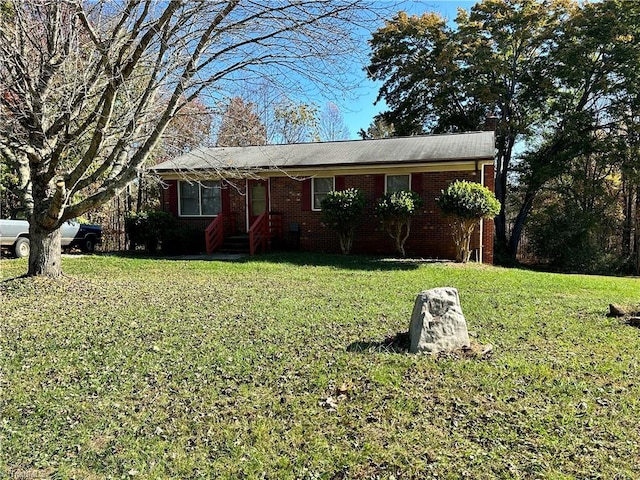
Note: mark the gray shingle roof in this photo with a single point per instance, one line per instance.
(392, 151)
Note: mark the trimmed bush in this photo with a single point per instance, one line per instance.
(155, 230)
(465, 204)
(341, 211)
(396, 210)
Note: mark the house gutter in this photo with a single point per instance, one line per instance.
(341, 169)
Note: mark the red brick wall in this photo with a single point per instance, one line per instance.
(488, 225)
(238, 204)
(430, 233)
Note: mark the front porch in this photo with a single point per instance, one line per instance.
(222, 234)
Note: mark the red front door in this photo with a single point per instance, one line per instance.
(257, 199)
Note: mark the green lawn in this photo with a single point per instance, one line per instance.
(138, 368)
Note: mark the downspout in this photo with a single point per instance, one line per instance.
(490, 125)
(480, 254)
(247, 207)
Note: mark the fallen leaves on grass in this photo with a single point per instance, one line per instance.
(329, 403)
(474, 351)
(204, 369)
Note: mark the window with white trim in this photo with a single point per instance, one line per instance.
(319, 188)
(199, 199)
(396, 183)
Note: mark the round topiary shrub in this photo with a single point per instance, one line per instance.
(396, 210)
(341, 211)
(465, 204)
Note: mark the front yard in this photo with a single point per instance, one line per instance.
(278, 368)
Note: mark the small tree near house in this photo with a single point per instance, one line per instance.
(341, 211)
(396, 210)
(465, 204)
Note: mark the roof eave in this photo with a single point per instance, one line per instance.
(239, 172)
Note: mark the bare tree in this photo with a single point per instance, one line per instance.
(87, 89)
(240, 126)
(287, 118)
(189, 128)
(331, 126)
(295, 122)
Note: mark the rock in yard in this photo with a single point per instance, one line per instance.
(437, 324)
(617, 310)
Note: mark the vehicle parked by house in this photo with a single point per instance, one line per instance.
(14, 236)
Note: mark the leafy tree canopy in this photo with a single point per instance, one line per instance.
(379, 128)
(557, 74)
(240, 126)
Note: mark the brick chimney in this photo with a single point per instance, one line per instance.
(490, 123)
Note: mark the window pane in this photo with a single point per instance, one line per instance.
(396, 183)
(211, 200)
(258, 199)
(321, 186)
(189, 201)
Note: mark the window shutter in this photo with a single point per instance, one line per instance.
(339, 182)
(306, 195)
(225, 198)
(416, 183)
(171, 197)
(378, 186)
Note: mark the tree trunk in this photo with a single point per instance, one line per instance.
(504, 144)
(400, 245)
(346, 242)
(399, 237)
(518, 225)
(636, 243)
(627, 225)
(129, 199)
(45, 256)
(139, 196)
(462, 231)
(500, 222)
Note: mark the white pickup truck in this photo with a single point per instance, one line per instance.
(14, 236)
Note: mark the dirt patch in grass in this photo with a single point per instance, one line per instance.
(400, 343)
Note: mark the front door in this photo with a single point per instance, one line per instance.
(257, 198)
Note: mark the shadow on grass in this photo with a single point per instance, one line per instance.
(142, 255)
(24, 276)
(398, 343)
(349, 262)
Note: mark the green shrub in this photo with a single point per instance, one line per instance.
(341, 211)
(572, 239)
(396, 210)
(154, 230)
(465, 204)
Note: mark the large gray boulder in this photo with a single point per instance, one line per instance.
(437, 324)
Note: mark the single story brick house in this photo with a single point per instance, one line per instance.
(272, 193)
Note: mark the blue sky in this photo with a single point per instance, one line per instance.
(359, 112)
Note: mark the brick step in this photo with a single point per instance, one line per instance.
(235, 244)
